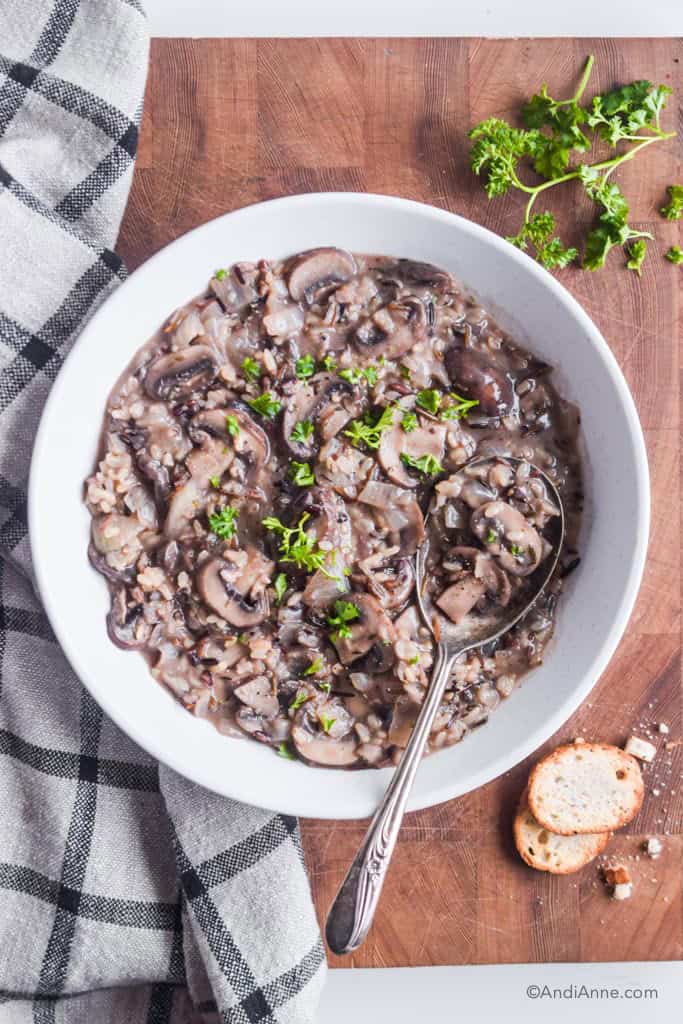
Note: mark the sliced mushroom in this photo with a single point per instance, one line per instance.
(332, 527)
(312, 270)
(476, 377)
(459, 599)
(428, 439)
(315, 746)
(236, 289)
(221, 588)
(370, 645)
(422, 273)
(258, 694)
(503, 528)
(404, 524)
(178, 374)
(251, 441)
(125, 624)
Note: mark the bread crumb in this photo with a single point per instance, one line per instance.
(653, 847)
(637, 747)
(663, 728)
(618, 879)
(622, 892)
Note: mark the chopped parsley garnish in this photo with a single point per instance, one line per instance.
(305, 367)
(330, 364)
(369, 430)
(284, 751)
(302, 432)
(315, 667)
(301, 474)
(415, 660)
(251, 369)
(491, 537)
(460, 407)
(429, 399)
(404, 371)
(515, 551)
(220, 274)
(409, 422)
(280, 586)
(215, 481)
(298, 548)
(674, 208)
(265, 405)
(232, 426)
(426, 464)
(355, 375)
(325, 687)
(675, 254)
(224, 522)
(327, 723)
(299, 700)
(344, 612)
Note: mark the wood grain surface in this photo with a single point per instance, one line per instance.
(229, 122)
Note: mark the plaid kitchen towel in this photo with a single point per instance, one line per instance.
(126, 893)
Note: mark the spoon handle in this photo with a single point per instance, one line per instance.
(351, 914)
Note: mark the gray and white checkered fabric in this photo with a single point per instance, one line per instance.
(126, 893)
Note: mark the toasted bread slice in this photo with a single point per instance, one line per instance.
(546, 851)
(585, 788)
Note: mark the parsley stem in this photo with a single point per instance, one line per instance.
(605, 165)
(584, 79)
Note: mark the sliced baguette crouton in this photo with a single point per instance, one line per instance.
(585, 788)
(545, 851)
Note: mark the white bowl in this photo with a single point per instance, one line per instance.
(538, 311)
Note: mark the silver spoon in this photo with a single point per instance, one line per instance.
(353, 910)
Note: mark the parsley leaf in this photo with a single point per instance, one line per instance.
(675, 254)
(515, 550)
(265, 405)
(460, 407)
(405, 371)
(220, 274)
(355, 375)
(429, 399)
(426, 464)
(299, 700)
(330, 364)
(305, 367)
(409, 422)
(674, 208)
(636, 254)
(550, 252)
(284, 751)
(298, 548)
(622, 113)
(223, 523)
(215, 481)
(612, 227)
(345, 612)
(497, 150)
(302, 432)
(251, 369)
(280, 586)
(232, 426)
(369, 430)
(326, 723)
(491, 537)
(315, 667)
(301, 474)
(325, 687)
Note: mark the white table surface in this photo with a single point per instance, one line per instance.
(415, 18)
(445, 995)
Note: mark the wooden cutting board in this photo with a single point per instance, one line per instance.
(230, 122)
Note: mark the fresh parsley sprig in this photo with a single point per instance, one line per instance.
(555, 131)
(428, 465)
(674, 208)
(265, 405)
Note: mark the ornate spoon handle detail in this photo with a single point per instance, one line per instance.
(354, 907)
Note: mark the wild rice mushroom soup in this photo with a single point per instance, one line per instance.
(266, 465)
